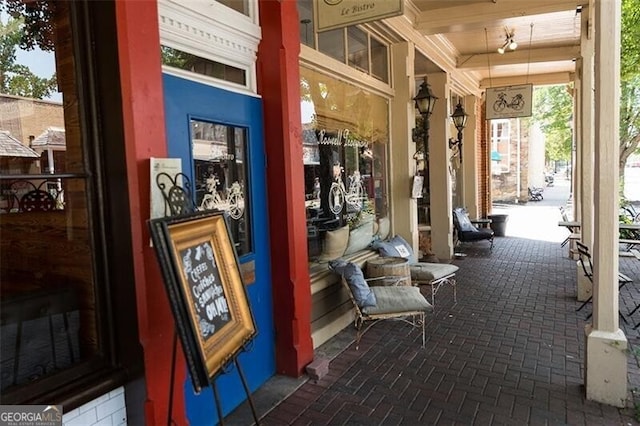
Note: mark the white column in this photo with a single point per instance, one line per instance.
(587, 128)
(470, 172)
(586, 146)
(439, 161)
(404, 209)
(606, 344)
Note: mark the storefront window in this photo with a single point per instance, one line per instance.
(219, 153)
(345, 143)
(59, 277)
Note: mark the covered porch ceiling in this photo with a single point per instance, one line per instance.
(547, 33)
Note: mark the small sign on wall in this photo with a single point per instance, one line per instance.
(332, 14)
(509, 101)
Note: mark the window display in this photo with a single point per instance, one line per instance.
(345, 135)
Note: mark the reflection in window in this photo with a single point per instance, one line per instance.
(358, 49)
(219, 153)
(361, 51)
(55, 329)
(379, 60)
(241, 6)
(188, 62)
(500, 146)
(345, 140)
(331, 43)
(305, 12)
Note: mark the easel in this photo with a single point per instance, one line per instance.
(212, 382)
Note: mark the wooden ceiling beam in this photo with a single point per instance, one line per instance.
(536, 80)
(520, 56)
(465, 18)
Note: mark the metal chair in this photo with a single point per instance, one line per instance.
(587, 267)
(466, 232)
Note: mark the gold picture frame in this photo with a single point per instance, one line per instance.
(205, 288)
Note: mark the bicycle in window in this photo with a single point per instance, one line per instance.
(354, 197)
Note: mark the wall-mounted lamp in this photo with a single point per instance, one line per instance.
(425, 101)
(459, 118)
(509, 42)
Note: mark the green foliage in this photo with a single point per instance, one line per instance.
(36, 18)
(553, 109)
(17, 79)
(630, 80)
(630, 39)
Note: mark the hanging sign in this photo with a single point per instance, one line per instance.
(509, 101)
(332, 14)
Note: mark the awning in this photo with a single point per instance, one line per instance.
(495, 156)
(12, 147)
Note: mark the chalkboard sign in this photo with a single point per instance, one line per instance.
(205, 289)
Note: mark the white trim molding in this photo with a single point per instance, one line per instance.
(212, 31)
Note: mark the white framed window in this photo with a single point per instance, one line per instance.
(500, 146)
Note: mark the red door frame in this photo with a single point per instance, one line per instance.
(279, 86)
(144, 132)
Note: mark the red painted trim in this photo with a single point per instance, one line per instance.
(144, 128)
(279, 85)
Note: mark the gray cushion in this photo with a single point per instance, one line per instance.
(335, 243)
(392, 300)
(352, 273)
(395, 247)
(423, 271)
(359, 238)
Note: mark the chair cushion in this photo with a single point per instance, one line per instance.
(352, 273)
(384, 225)
(395, 247)
(335, 243)
(391, 300)
(359, 238)
(464, 223)
(477, 235)
(422, 271)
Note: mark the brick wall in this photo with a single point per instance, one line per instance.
(107, 410)
(24, 117)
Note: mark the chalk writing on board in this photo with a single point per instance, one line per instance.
(207, 293)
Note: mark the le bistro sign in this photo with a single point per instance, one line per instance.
(331, 14)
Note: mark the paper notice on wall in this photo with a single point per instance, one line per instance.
(160, 168)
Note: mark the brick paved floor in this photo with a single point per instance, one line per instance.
(510, 351)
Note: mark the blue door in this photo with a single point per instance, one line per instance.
(218, 134)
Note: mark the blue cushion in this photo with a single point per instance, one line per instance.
(395, 247)
(352, 273)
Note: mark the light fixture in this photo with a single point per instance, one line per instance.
(508, 43)
(425, 101)
(459, 118)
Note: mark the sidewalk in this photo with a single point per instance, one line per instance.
(510, 351)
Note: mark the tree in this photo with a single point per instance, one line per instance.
(549, 102)
(17, 79)
(630, 82)
(553, 108)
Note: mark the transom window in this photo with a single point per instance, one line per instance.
(351, 45)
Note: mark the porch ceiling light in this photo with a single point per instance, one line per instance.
(509, 42)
